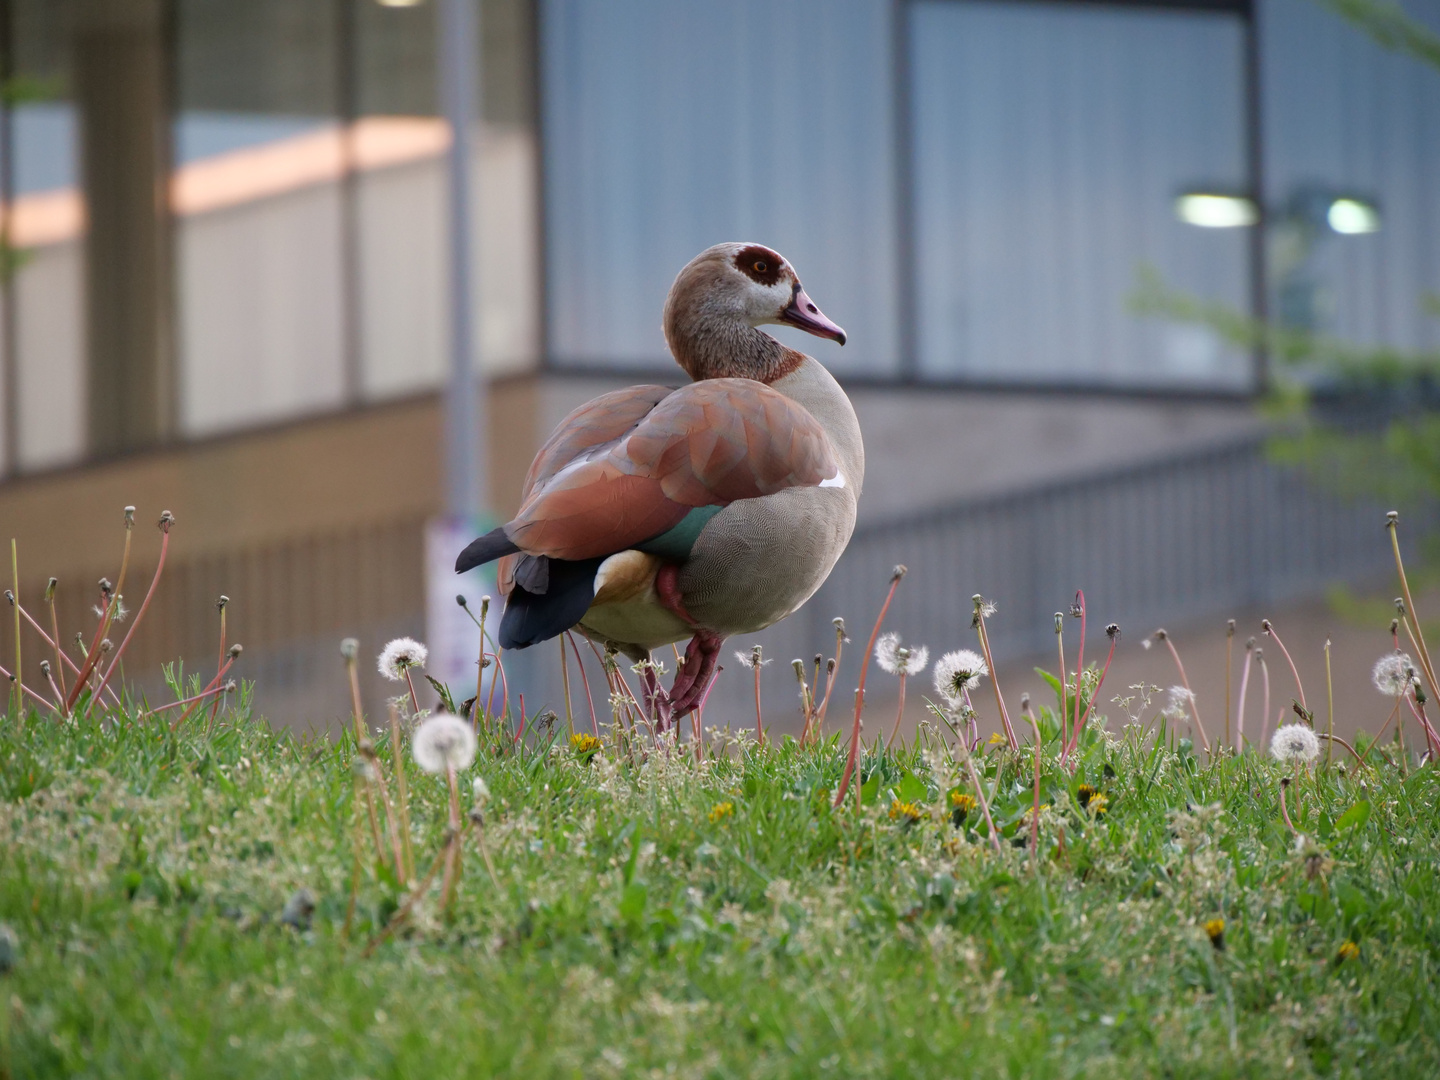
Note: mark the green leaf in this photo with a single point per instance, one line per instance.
(1355, 817)
(869, 790)
(632, 902)
(444, 692)
(1054, 684)
(911, 789)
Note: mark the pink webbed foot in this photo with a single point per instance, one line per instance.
(694, 678)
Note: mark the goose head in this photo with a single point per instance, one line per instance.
(719, 301)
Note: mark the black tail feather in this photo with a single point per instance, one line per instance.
(530, 619)
(487, 548)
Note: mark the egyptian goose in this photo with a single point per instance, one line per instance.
(654, 514)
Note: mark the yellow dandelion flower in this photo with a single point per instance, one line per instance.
(1084, 793)
(1215, 931)
(962, 805)
(720, 811)
(995, 739)
(1098, 803)
(1348, 951)
(585, 746)
(907, 813)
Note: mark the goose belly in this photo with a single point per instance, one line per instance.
(759, 560)
(627, 609)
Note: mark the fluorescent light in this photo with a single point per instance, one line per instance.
(1213, 211)
(399, 3)
(1351, 216)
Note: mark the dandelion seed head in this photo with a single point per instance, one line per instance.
(958, 671)
(399, 655)
(896, 659)
(442, 742)
(1294, 743)
(1393, 674)
(1180, 699)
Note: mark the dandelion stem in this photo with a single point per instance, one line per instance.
(830, 680)
(1064, 704)
(21, 692)
(564, 678)
(60, 658)
(1417, 635)
(402, 794)
(895, 577)
(19, 670)
(1189, 694)
(1113, 633)
(210, 689)
(1079, 668)
(759, 720)
(166, 520)
(60, 654)
(452, 851)
(409, 682)
(1342, 742)
(1244, 682)
(994, 678)
(215, 705)
(400, 916)
(1035, 808)
(1229, 654)
(1284, 811)
(1419, 714)
(54, 690)
(480, 670)
(212, 692)
(1330, 706)
(1270, 629)
(362, 740)
(1385, 727)
(980, 795)
(899, 712)
(1265, 710)
(594, 724)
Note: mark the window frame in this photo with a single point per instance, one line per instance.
(907, 371)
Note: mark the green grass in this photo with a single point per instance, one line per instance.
(145, 873)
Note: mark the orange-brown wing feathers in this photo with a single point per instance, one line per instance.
(593, 425)
(706, 444)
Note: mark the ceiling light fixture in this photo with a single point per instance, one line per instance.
(1213, 210)
(1351, 217)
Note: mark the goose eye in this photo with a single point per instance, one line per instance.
(761, 267)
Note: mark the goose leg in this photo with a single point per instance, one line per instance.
(701, 657)
(701, 654)
(656, 700)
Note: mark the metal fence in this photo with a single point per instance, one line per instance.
(1200, 535)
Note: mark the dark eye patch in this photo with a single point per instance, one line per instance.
(759, 263)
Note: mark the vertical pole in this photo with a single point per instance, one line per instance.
(465, 399)
(9, 355)
(1255, 166)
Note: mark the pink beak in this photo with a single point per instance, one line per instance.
(802, 312)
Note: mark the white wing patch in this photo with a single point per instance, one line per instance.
(836, 481)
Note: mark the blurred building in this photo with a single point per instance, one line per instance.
(224, 242)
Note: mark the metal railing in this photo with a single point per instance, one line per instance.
(1168, 541)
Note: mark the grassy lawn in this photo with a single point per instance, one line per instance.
(661, 917)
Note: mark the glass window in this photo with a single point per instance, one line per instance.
(1050, 144)
(258, 215)
(1344, 117)
(671, 125)
(44, 342)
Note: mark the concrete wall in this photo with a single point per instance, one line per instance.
(930, 447)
